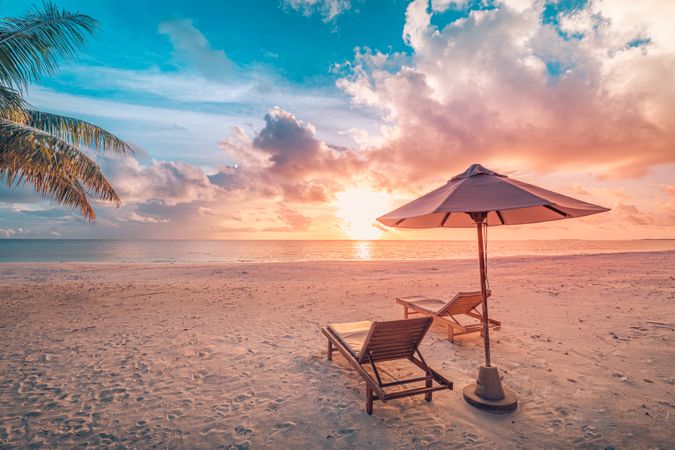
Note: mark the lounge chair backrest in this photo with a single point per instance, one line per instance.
(462, 303)
(394, 339)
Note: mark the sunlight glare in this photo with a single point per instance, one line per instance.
(358, 208)
(362, 250)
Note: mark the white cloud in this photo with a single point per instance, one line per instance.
(502, 86)
(135, 217)
(328, 9)
(167, 182)
(286, 158)
(478, 89)
(190, 45)
(10, 232)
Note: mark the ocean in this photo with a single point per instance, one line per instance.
(148, 251)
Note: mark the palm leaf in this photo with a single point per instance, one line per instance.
(41, 149)
(31, 46)
(12, 105)
(64, 189)
(53, 166)
(24, 145)
(77, 132)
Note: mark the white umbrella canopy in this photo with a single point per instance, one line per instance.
(479, 198)
(479, 190)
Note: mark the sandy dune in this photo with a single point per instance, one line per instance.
(232, 355)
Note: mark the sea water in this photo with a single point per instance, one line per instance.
(143, 251)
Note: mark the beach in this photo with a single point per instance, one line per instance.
(224, 354)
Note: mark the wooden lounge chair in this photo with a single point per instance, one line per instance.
(464, 303)
(365, 344)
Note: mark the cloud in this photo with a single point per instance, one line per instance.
(578, 189)
(588, 91)
(668, 189)
(135, 217)
(10, 232)
(327, 9)
(293, 221)
(167, 182)
(286, 158)
(507, 88)
(631, 214)
(292, 149)
(189, 102)
(202, 211)
(198, 200)
(191, 46)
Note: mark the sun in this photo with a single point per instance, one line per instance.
(357, 208)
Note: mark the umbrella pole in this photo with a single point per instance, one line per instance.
(487, 393)
(483, 292)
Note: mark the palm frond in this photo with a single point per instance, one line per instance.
(77, 132)
(53, 166)
(31, 46)
(26, 145)
(12, 105)
(60, 187)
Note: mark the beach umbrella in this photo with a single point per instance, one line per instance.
(479, 198)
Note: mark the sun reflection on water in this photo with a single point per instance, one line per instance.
(362, 250)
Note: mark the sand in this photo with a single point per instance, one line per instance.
(206, 355)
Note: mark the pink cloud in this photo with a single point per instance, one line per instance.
(293, 221)
(476, 90)
(631, 214)
(285, 159)
(168, 182)
(479, 89)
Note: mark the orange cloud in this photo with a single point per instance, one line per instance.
(483, 89)
(286, 159)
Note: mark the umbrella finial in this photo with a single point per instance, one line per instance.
(473, 170)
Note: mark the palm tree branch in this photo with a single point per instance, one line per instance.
(31, 46)
(64, 189)
(29, 151)
(12, 105)
(77, 132)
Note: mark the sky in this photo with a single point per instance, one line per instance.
(307, 119)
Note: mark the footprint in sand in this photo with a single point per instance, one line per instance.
(215, 380)
(347, 432)
(274, 405)
(242, 430)
(109, 395)
(284, 426)
(470, 438)
(554, 424)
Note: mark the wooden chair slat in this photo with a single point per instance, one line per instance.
(396, 332)
(397, 348)
(385, 356)
(388, 341)
(376, 339)
(384, 346)
(464, 303)
(393, 346)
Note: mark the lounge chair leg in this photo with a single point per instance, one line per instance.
(405, 312)
(428, 383)
(451, 334)
(330, 351)
(369, 399)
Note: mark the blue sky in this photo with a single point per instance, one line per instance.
(254, 54)
(309, 118)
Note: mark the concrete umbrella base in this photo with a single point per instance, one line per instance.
(489, 394)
